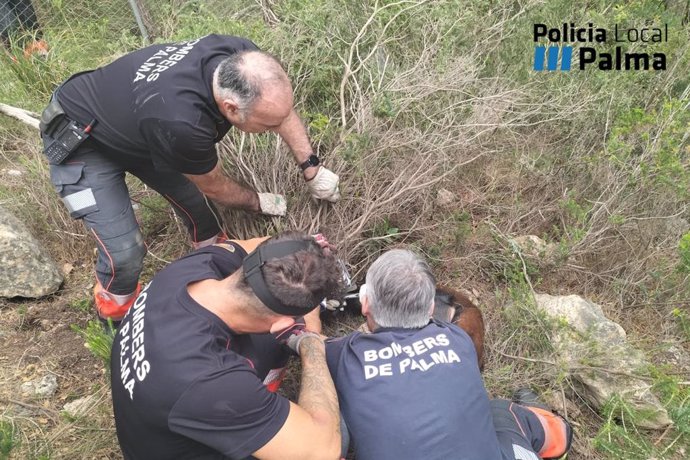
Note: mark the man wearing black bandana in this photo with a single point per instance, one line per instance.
(195, 359)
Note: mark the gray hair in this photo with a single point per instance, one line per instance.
(400, 290)
(242, 75)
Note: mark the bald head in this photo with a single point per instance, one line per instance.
(246, 75)
(252, 83)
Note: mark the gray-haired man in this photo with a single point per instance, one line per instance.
(412, 389)
(157, 113)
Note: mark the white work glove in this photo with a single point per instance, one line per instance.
(272, 204)
(324, 185)
(330, 305)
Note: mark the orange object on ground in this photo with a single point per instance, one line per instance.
(38, 47)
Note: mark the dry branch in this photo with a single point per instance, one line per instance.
(22, 115)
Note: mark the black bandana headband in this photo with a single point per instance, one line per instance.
(251, 267)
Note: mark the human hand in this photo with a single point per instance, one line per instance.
(272, 204)
(295, 341)
(324, 185)
(284, 335)
(293, 335)
(323, 243)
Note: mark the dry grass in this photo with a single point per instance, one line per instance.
(522, 156)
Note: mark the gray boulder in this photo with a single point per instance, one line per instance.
(43, 387)
(26, 270)
(598, 357)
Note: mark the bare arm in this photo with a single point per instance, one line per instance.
(219, 187)
(313, 320)
(294, 133)
(312, 429)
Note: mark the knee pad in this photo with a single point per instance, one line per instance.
(558, 434)
(120, 261)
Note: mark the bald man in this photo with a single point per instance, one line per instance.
(157, 114)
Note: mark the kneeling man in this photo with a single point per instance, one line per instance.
(194, 359)
(412, 388)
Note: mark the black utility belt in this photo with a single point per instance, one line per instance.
(63, 135)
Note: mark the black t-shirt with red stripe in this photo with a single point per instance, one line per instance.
(156, 104)
(184, 385)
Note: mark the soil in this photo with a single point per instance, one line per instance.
(36, 341)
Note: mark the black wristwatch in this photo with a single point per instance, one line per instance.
(313, 160)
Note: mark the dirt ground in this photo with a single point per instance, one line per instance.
(39, 338)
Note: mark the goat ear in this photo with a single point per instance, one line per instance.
(457, 297)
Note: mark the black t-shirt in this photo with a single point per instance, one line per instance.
(413, 394)
(156, 104)
(181, 389)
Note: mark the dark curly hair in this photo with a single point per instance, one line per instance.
(302, 279)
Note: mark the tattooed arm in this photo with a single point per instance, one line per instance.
(317, 395)
(312, 429)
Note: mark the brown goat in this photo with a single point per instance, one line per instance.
(454, 306)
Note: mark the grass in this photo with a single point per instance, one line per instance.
(8, 438)
(82, 305)
(619, 435)
(404, 98)
(519, 313)
(98, 338)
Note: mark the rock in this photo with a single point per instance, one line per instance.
(597, 355)
(45, 387)
(25, 268)
(67, 269)
(533, 246)
(79, 407)
(445, 198)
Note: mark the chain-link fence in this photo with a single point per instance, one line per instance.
(17, 16)
(46, 41)
(26, 20)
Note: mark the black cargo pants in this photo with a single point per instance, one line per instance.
(93, 188)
